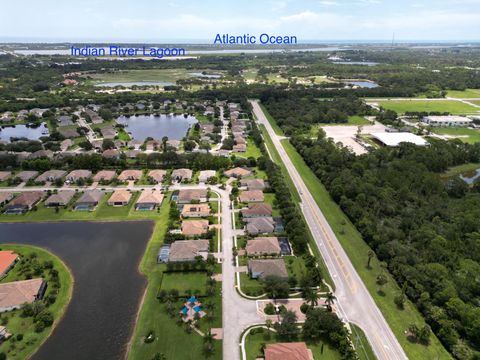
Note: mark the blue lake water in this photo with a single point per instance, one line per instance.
(207, 76)
(175, 127)
(19, 131)
(366, 63)
(364, 84)
(471, 177)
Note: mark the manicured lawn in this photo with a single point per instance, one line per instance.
(171, 340)
(123, 135)
(361, 343)
(16, 324)
(161, 75)
(466, 135)
(270, 199)
(357, 249)
(451, 106)
(195, 282)
(254, 343)
(250, 286)
(465, 94)
(295, 266)
(252, 151)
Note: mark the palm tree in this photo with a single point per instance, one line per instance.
(329, 299)
(311, 296)
(370, 257)
(208, 337)
(269, 324)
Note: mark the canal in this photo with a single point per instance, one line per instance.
(104, 260)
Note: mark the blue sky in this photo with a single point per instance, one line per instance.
(165, 20)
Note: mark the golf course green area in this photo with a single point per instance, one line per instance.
(160, 75)
(466, 135)
(465, 94)
(28, 330)
(415, 105)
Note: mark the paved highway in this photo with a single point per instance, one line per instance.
(354, 303)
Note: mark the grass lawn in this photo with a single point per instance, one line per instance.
(254, 343)
(451, 106)
(252, 151)
(461, 169)
(465, 94)
(123, 135)
(357, 249)
(194, 281)
(295, 266)
(361, 343)
(270, 199)
(466, 135)
(20, 325)
(171, 340)
(249, 286)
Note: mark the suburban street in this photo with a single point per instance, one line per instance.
(354, 302)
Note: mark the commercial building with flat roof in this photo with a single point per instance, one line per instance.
(394, 139)
(447, 121)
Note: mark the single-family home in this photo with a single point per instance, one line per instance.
(182, 175)
(254, 184)
(188, 250)
(26, 175)
(62, 198)
(24, 202)
(68, 132)
(288, 351)
(263, 246)
(157, 175)
(111, 154)
(194, 227)
(7, 260)
(260, 225)
(195, 210)
(5, 175)
(5, 197)
(260, 269)
(251, 196)
(108, 132)
(120, 198)
(135, 144)
(17, 293)
(89, 200)
(238, 172)
(149, 200)
(76, 175)
(51, 175)
(256, 210)
(239, 148)
(205, 175)
(127, 175)
(65, 144)
(174, 143)
(41, 154)
(104, 175)
(188, 195)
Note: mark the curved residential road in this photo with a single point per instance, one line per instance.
(354, 303)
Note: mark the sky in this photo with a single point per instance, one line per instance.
(173, 20)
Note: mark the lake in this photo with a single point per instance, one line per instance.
(140, 127)
(31, 133)
(366, 63)
(471, 176)
(206, 76)
(104, 260)
(364, 84)
(134, 83)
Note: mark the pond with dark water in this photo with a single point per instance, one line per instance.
(23, 131)
(140, 127)
(104, 260)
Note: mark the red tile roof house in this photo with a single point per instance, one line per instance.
(7, 260)
(149, 200)
(189, 195)
(182, 175)
(261, 225)
(260, 269)
(75, 175)
(257, 210)
(238, 172)
(120, 198)
(62, 198)
(194, 227)
(26, 175)
(5, 197)
(195, 210)
(206, 174)
(188, 250)
(104, 175)
(111, 154)
(263, 246)
(157, 175)
(4, 175)
(130, 175)
(51, 175)
(24, 202)
(288, 351)
(250, 196)
(239, 148)
(14, 295)
(89, 200)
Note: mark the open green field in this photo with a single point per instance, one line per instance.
(252, 151)
(255, 342)
(466, 135)
(171, 340)
(450, 106)
(476, 102)
(465, 94)
(195, 282)
(461, 169)
(160, 75)
(357, 250)
(15, 323)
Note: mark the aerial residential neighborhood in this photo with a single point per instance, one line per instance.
(270, 180)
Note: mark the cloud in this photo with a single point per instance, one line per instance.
(328, 3)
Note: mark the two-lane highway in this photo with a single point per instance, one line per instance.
(354, 302)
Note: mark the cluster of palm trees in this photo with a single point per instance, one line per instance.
(208, 347)
(312, 296)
